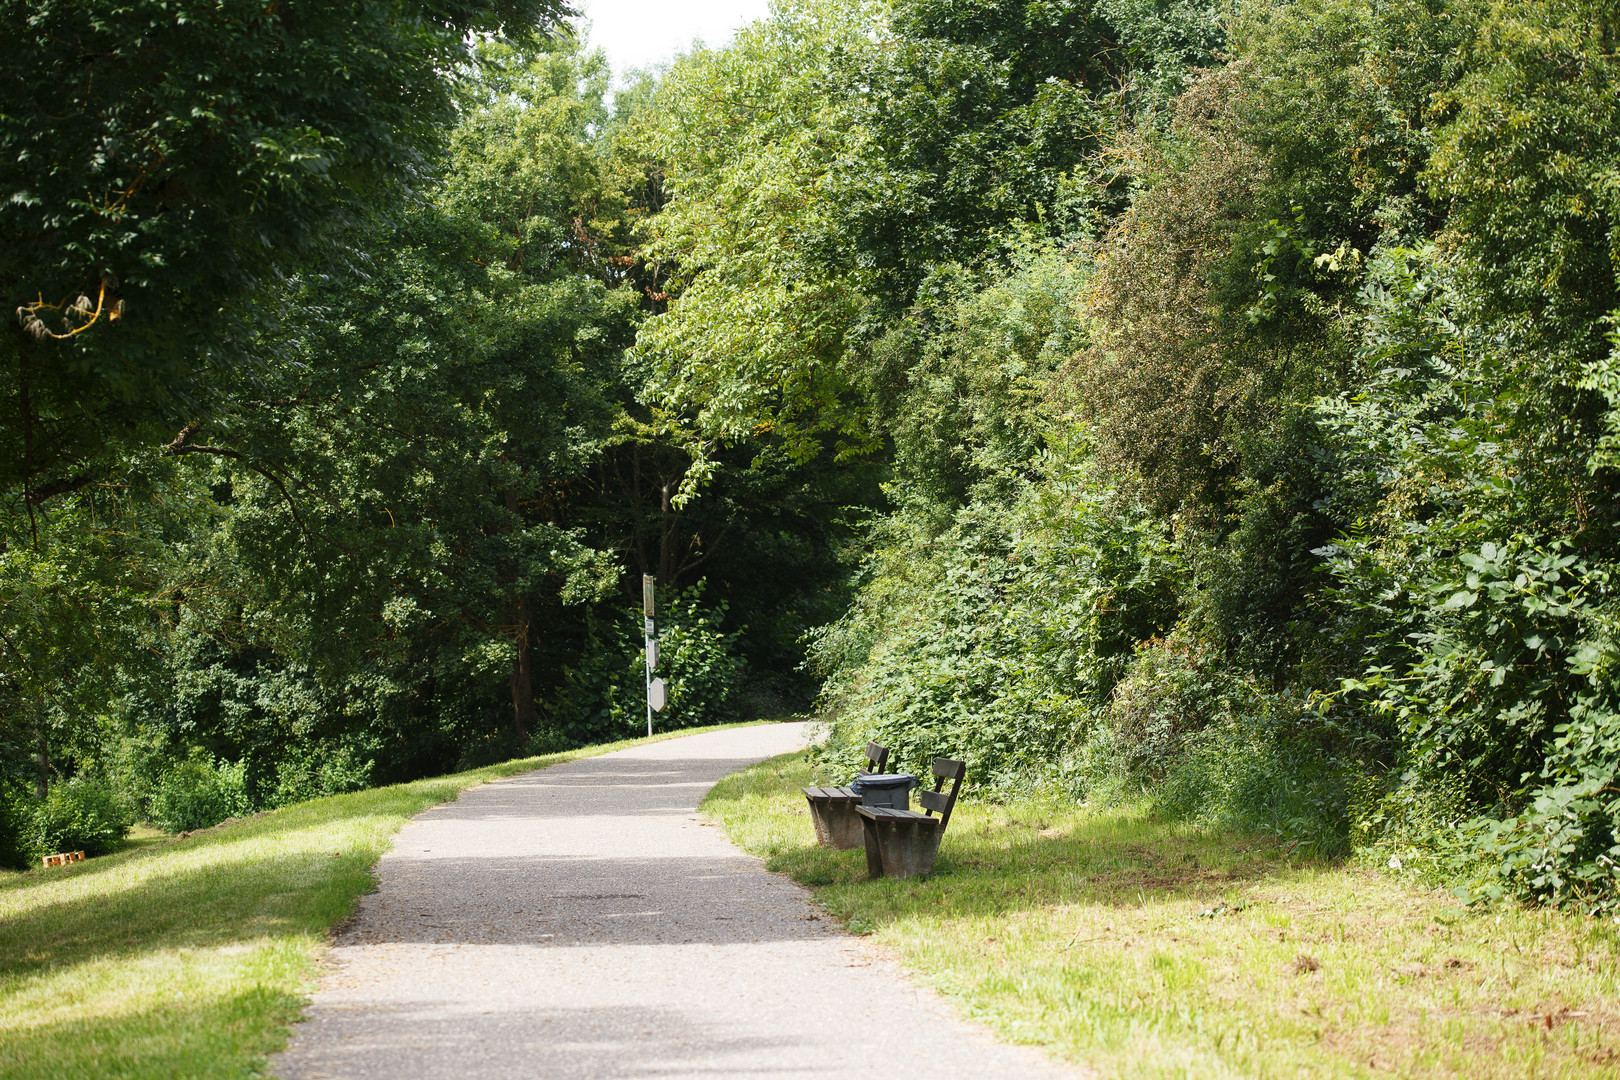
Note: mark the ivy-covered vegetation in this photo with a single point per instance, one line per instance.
(1244, 380)
(1207, 404)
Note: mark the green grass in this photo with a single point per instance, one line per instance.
(189, 957)
(1145, 949)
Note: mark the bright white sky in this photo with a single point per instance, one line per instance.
(640, 33)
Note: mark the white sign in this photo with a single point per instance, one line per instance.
(652, 654)
(655, 694)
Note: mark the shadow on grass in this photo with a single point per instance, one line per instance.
(187, 958)
(282, 873)
(187, 905)
(294, 870)
(1001, 858)
(1153, 950)
(220, 1036)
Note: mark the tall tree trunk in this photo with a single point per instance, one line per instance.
(28, 442)
(522, 668)
(669, 526)
(522, 682)
(42, 755)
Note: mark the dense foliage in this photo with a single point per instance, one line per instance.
(385, 510)
(1212, 405)
(1245, 382)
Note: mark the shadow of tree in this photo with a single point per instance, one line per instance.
(216, 1037)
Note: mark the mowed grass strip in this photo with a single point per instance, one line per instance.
(1145, 949)
(189, 957)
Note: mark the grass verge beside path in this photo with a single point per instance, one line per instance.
(189, 958)
(1145, 949)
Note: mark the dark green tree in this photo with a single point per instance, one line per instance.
(166, 163)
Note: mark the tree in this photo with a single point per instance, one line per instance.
(167, 163)
(407, 489)
(822, 169)
(756, 145)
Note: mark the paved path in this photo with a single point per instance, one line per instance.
(579, 921)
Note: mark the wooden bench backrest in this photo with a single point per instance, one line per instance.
(876, 758)
(937, 801)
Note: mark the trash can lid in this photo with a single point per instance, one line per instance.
(882, 781)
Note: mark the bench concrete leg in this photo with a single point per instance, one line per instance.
(900, 849)
(838, 826)
(874, 861)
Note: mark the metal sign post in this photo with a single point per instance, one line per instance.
(647, 583)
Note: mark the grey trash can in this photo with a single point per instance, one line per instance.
(884, 789)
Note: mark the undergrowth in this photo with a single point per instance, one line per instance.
(1149, 948)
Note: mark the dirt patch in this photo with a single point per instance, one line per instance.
(223, 825)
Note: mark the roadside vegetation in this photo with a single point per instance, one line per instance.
(1209, 407)
(1148, 948)
(350, 480)
(190, 956)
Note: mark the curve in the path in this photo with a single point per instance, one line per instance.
(580, 921)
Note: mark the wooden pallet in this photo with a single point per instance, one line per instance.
(64, 858)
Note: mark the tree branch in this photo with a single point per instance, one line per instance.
(182, 445)
(57, 487)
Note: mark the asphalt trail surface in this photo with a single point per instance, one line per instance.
(580, 921)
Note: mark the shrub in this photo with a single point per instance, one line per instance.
(1175, 689)
(16, 824)
(700, 662)
(313, 772)
(198, 793)
(1258, 775)
(604, 697)
(82, 814)
(997, 640)
(1217, 748)
(1485, 601)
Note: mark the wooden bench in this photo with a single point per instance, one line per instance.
(833, 809)
(903, 843)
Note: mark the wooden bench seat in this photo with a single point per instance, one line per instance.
(832, 810)
(831, 794)
(890, 813)
(903, 843)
